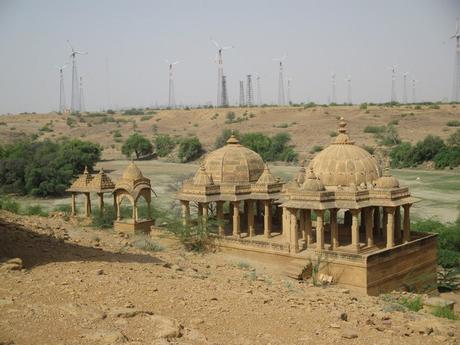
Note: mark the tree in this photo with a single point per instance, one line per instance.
(164, 144)
(138, 145)
(454, 139)
(190, 149)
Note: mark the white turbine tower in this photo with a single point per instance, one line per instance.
(348, 80)
(75, 101)
(259, 91)
(281, 99)
(405, 87)
(289, 90)
(414, 95)
(456, 86)
(220, 71)
(334, 96)
(82, 96)
(393, 80)
(61, 88)
(171, 96)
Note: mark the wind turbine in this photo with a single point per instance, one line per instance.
(405, 74)
(75, 102)
(171, 97)
(334, 96)
(348, 80)
(456, 88)
(289, 80)
(61, 88)
(414, 82)
(393, 78)
(281, 100)
(220, 70)
(82, 98)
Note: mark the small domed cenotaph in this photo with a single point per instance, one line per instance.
(340, 210)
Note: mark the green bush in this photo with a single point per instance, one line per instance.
(454, 139)
(146, 117)
(447, 157)
(363, 106)
(137, 144)
(413, 304)
(104, 220)
(133, 111)
(147, 244)
(35, 210)
(164, 144)
(8, 204)
(230, 117)
(445, 312)
(271, 149)
(374, 129)
(44, 168)
(453, 123)
(427, 149)
(189, 149)
(433, 106)
(401, 155)
(111, 112)
(316, 148)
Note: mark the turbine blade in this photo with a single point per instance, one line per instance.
(215, 43)
(81, 53)
(228, 47)
(175, 63)
(68, 42)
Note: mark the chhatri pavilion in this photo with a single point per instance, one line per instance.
(341, 209)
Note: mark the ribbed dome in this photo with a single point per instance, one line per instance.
(387, 181)
(312, 183)
(132, 173)
(234, 163)
(342, 163)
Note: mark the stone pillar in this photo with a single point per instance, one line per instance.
(334, 228)
(294, 231)
(101, 203)
(87, 205)
(302, 224)
(308, 228)
(355, 229)
(74, 206)
(250, 212)
(406, 223)
(220, 217)
(390, 212)
(236, 219)
(185, 206)
(285, 225)
(369, 225)
(398, 224)
(205, 214)
(377, 220)
(347, 219)
(267, 218)
(319, 229)
(134, 212)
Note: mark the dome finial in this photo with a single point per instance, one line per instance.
(86, 170)
(342, 126)
(232, 140)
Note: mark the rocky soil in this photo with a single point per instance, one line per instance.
(64, 283)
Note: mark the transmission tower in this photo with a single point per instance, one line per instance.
(75, 101)
(224, 91)
(242, 103)
(281, 99)
(334, 96)
(259, 92)
(61, 89)
(393, 80)
(349, 100)
(82, 98)
(220, 72)
(171, 97)
(405, 87)
(414, 99)
(249, 91)
(456, 86)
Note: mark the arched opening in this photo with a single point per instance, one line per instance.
(143, 212)
(125, 207)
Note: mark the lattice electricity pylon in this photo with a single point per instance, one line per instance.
(242, 102)
(224, 91)
(249, 91)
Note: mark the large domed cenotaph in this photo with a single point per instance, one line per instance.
(341, 209)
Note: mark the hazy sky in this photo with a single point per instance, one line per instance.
(357, 37)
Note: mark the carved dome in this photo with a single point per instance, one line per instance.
(387, 181)
(234, 163)
(312, 183)
(344, 164)
(132, 173)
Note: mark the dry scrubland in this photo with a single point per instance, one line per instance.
(79, 285)
(308, 127)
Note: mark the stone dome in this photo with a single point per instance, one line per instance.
(234, 163)
(132, 173)
(344, 164)
(387, 181)
(312, 183)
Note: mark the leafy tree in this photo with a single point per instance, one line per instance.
(190, 149)
(274, 148)
(258, 142)
(164, 144)
(454, 139)
(401, 155)
(428, 148)
(137, 144)
(448, 157)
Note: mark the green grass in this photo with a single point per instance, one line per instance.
(445, 312)
(414, 304)
(147, 244)
(453, 123)
(243, 265)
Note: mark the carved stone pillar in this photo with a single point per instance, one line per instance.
(302, 224)
(355, 229)
(390, 211)
(87, 205)
(308, 228)
(236, 219)
(406, 223)
(294, 231)
(369, 226)
(250, 213)
(185, 205)
(334, 228)
(267, 218)
(220, 217)
(319, 229)
(101, 203)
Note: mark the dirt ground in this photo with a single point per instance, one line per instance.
(79, 285)
(308, 127)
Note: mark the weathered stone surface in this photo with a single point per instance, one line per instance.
(107, 336)
(430, 304)
(126, 312)
(165, 327)
(349, 334)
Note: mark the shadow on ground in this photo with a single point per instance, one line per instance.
(39, 249)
